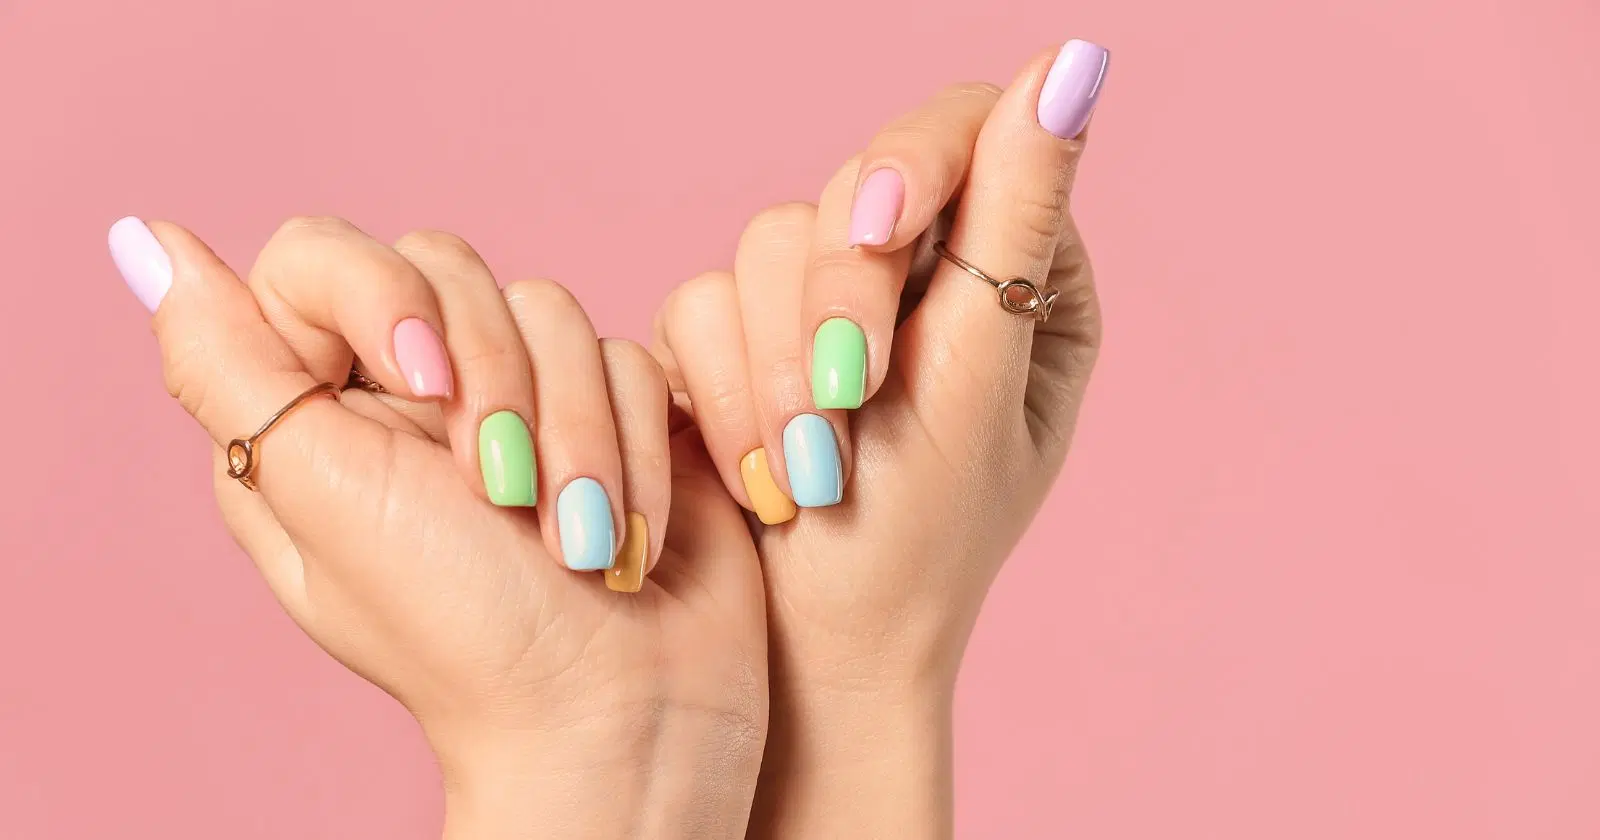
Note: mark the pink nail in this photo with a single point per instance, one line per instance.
(422, 359)
(1072, 87)
(143, 263)
(877, 208)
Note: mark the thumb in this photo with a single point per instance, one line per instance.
(231, 371)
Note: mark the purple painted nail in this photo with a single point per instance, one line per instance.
(144, 265)
(1072, 87)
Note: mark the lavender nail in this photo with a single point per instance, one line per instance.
(1072, 87)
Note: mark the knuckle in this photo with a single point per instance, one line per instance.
(541, 295)
(438, 242)
(623, 353)
(301, 228)
(1038, 218)
(787, 221)
(703, 295)
(836, 262)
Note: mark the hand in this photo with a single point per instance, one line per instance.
(557, 708)
(968, 412)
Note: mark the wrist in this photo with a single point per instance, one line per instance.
(868, 760)
(651, 774)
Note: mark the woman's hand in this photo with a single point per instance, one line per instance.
(965, 414)
(557, 707)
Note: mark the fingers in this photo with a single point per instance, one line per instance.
(639, 401)
(869, 212)
(912, 169)
(1010, 222)
(573, 430)
(702, 333)
(230, 370)
(331, 290)
(770, 277)
(488, 423)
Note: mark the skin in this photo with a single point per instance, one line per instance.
(559, 708)
(971, 409)
(556, 707)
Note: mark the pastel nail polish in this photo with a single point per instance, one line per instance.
(877, 207)
(628, 573)
(420, 353)
(811, 452)
(838, 364)
(505, 455)
(583, 519)
(772, 507)
(1072, 87)
(143, 263)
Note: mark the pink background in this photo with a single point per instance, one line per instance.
(1325, 564)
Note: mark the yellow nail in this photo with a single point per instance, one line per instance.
(627, 574)
(772, 507)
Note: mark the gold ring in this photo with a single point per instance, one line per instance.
(242, 453)
(361, 381)
(1017, 295)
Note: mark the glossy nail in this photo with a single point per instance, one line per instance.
(628, 573)
(877, 207)
(141, 260)
(583, 519)
(772, 507)
(838, 364)
(422, 359)
(811, 452)
(505, 455)
(1072, 87)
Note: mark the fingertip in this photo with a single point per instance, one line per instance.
(141, 260)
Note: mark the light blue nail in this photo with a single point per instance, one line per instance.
(583, 518)
(811, 453)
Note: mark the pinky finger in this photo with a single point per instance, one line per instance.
(639, 401)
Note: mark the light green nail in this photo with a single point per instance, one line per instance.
(505, 454)
(838, 364)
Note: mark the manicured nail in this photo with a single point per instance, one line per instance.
(811, 452)
(420, 354)
(144, 265)
(583, 517)
(505, 454)
(628, 574)
(1072, 87)
(772, 507)
(838, 364)
(877, 207)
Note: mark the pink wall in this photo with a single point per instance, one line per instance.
(1326, 562)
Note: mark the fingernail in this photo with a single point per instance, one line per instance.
(505, 455)
(1072, 87)
(141, 260)
(422, 359)
(838, 364)
(628, 574)
(811, 452)
(877, 207)
(583, 518)
(772, 507)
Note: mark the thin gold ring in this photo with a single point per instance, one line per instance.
(361, 381)
(1018, 295)
(242, 453)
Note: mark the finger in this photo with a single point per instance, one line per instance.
(913, 167)
(335, 293)
(230, 370)
(639, 402)
(257, 531)
(1010, 221)
(700, 327)
(489, 420)
(580, 470)
(769, 272)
